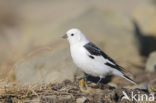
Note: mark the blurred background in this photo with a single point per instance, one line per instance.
(32, 50)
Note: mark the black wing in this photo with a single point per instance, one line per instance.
(94, 50)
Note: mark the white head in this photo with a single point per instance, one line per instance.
(75, 36)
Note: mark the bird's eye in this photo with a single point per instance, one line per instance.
(72, 34)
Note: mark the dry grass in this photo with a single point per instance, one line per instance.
(16, 92)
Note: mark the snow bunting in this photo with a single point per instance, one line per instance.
(91, 59)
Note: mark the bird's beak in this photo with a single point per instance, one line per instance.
(65, 36)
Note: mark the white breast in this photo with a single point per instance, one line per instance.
(94, 67)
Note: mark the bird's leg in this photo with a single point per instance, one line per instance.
(85, 77)
(97, 84)
(99, 81)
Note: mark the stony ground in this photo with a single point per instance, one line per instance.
(78, 91)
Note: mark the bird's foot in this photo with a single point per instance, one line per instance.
(96, 86)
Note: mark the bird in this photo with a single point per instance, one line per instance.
(91, 59)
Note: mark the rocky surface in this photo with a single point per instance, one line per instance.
(147, 22)
(145, 32)
(144, 43)
(151, 62)
(55, 67)
(77, 92)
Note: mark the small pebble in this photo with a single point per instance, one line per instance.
(81, 100)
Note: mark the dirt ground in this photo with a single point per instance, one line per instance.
(79, 91)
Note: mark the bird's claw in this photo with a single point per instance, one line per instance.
(96, 86)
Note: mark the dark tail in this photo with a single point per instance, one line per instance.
(129, 79)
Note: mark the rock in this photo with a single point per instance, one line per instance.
(147, 22)
(152, 86)
(55, 67)
(144, 87)
(144, 43)
(151, 62)
(56, 99)
(145, 32)
(81, 100)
